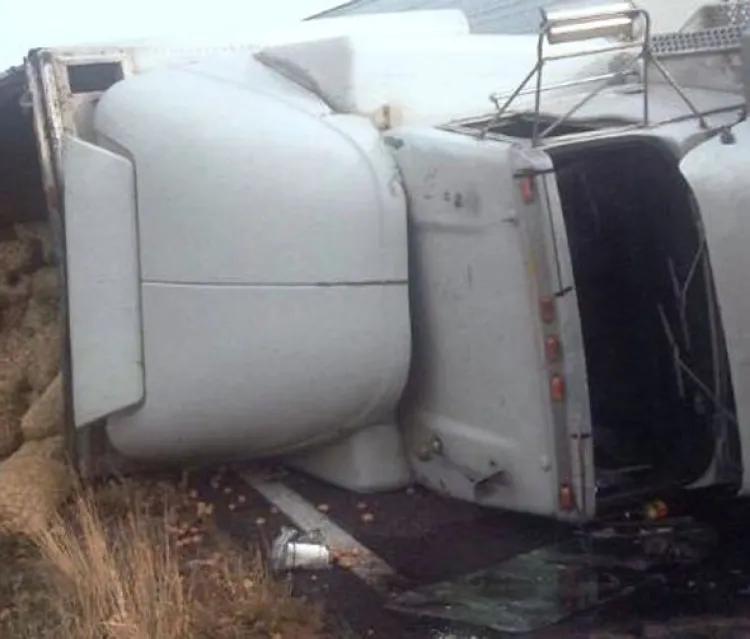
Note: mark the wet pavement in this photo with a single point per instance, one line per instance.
(429, 539)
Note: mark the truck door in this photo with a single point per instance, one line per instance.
(551, 277)
(717, 172)
(488, 408)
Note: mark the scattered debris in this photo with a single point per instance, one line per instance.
(292, 551)
(77, 580)
(657, 509)
(346, 558)
(667, 541)
(204, 509)
(543, 587)
(712, 627)
(346, 562)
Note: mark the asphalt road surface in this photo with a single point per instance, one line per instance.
(425, 538)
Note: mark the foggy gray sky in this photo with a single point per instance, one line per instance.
(25, 24)
(40, 23)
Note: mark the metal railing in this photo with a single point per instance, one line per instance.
(620, 20)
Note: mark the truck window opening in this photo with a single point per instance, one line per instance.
(643, 289)
(93, 78)
(21, 194)
(521, 125)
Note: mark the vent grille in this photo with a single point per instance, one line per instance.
(714, 39)
(728, 14)
(723, 25)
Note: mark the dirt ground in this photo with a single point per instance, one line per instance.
(219, 531)
(427, 538)
(144, 559)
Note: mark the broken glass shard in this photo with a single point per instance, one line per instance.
(529, 591)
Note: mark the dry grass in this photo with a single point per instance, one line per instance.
(127, 561)
(134, 563)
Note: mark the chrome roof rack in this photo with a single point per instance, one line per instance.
(628, 25)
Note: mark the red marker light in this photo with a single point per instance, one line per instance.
(552, 349)
(565, 498)
(547, 310)
(657, 509)
(527, 189)
(557, 388)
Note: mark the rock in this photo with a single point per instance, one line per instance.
(16, 258)
(34, 482)
(12, 407)
(45, 416)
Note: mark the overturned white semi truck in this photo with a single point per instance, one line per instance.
(337, 251)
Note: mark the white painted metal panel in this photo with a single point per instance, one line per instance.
(102, 279)
(244, 371)
(424, 79)
(239, 185)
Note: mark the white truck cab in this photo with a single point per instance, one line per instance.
(336, 251)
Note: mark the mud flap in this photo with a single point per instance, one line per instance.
(103, 281)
